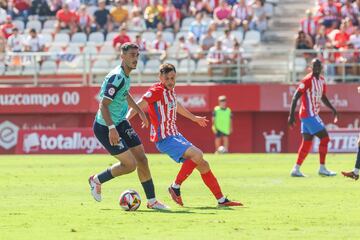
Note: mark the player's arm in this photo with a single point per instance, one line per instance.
(135, 107)
(291, 118)
(142, 105)
(327, 103)
(202, 121)
(104, 108)
(114, 137)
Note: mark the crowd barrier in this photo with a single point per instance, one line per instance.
(247, 65)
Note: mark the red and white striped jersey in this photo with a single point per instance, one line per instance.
(309, 26)
(312, 90)
(162, 111)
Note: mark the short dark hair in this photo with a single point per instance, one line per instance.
(127, 46)
(165, 68)
(33, 30)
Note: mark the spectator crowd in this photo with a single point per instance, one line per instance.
(173, 29)
(334, 26)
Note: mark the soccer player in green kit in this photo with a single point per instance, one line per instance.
(116, 134)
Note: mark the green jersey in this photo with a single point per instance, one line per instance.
(222, 119)
(115, 87)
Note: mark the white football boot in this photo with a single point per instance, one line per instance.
(157, 206)
(296, 173)
(326, 173)
(95, 189)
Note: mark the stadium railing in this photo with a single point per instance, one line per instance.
(338, 65)
(55, 68)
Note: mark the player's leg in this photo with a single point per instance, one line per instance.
(217, 141)
(323, 135)
(145, 178)
(181, 150)
(137, 149)
(196, 155)
(304, 149)
(175, 147)
(186, 170)
(226, 143)
(126, 163)
(355, 173)
(357, 164)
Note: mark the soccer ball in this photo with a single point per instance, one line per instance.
(129, 200)
(221, 149)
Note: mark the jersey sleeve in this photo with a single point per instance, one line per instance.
(153, 95)
(304, 85)
(115, 83)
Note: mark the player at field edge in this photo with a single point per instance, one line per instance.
(161, 101)
(115, 133)
(354, 174)
(222, 124)
(311, 90)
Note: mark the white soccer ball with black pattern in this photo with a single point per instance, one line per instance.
(130, 200)
(221, 149)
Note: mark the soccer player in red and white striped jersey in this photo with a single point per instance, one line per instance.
(311, 90)
(162, 112)
(163, 107)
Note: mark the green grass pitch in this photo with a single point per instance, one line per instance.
(47, 197)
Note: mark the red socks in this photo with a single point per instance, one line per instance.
(323, 148)
(303, 151)
(212, 183)
(209, 179)
(186, 169)
(306, 146)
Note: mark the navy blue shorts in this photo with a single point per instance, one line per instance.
(128, 136)
(220, 134)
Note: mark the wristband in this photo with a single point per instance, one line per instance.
(111, 126)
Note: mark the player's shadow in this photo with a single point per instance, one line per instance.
(213, 208)
(154, 211)
(185, 211)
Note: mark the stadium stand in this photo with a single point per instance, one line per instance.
(332, 29)
(260, 28)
